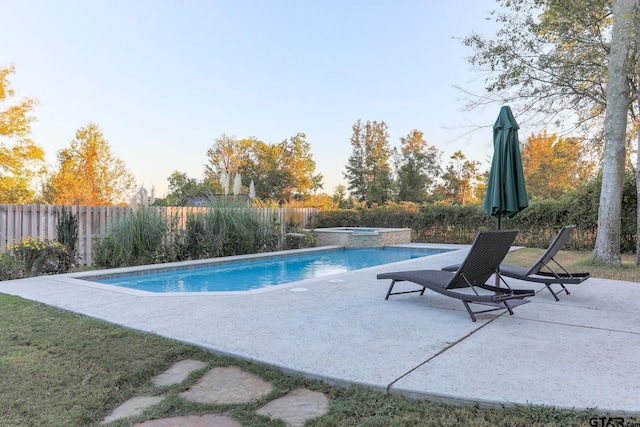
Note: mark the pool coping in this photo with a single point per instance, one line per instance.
(85, 278)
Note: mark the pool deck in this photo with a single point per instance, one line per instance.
(579, 353)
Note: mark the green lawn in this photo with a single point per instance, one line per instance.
(581, 261)
(63, 369)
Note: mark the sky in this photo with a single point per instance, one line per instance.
(163, 79)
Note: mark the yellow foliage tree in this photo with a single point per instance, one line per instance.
(282, 172)
(21, 160)
(229, 155)
(89, 173)
(553, 165)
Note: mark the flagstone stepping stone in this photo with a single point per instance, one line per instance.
(178, 372)
(297, 406)
(192, 421)
(133, 406)
(227, 385)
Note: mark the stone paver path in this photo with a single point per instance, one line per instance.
(223, 385)
(297, 406)
(192, 421)
(133, 406)
(227, 385)
(178, 372)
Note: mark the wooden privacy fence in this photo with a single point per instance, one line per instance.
(39, 221)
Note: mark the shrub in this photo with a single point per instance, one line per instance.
(134, 240)
(109, 252)
(538, 224)
(172, 247)
(227, 231)
(67, 235)
(40, 256)
(442, 223)
(299, 238)
(10, 267)
(202, 240)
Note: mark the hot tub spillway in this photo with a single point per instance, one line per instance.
(361, 237)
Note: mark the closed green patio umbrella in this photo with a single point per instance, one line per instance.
(506, 191)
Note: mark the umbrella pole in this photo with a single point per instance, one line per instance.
(497, 276)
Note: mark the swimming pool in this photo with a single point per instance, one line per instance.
(260, 272)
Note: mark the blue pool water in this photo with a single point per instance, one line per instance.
(256, 274)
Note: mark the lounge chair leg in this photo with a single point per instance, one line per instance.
(552, 292)
(393, 282)
(466, 305)
(508, 308)
(555, 294)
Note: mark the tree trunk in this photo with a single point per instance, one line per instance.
(638, 198)
(607, 247)
(637, 100)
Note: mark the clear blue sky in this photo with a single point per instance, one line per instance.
(163, 79)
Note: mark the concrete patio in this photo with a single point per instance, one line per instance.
(579, 353)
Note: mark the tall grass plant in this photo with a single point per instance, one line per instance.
(144, 237)
(67, 235)
(134, 240)
(226, 231)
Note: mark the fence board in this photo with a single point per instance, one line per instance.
(10, 230)
(3, 231)
(39, 221)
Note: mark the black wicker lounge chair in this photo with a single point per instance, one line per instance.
(542, 271)
(468, 282)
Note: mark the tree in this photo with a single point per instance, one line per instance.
(298, 163)
(321, 201)
(89, 173)
(266, 172)
(183, 189)
(228, 155)
(607, 247)
(545, 156)
(417, 166)
(340, 196)
(22, 160)
(368, 169)
(547, 59)
(637, 25)
(356, 173)
(281, 172)
(557, 62)
(180, 187)
(459, 180)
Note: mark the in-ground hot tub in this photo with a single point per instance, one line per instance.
(361, 237)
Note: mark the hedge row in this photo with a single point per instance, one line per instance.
(538, 224)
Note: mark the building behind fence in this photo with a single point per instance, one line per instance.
(39, 221)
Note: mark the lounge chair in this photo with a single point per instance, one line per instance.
(482, 261)
(542, 271)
